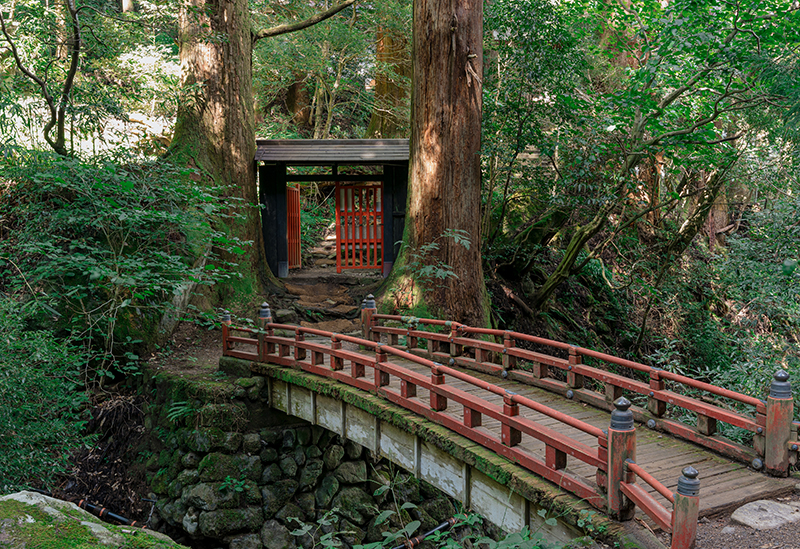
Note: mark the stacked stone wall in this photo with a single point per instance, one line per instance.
(220, 482)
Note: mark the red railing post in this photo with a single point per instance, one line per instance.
(455, 349)
(685, 510)
(226, 322)
(509, 361)
(621, 447)
(510, 436)
(438, 402)
(574, 380)
(780, 410)
(337, 363)
(656, 407)
(264, 319)
(368, 308)
(381, 378)
(299, 353)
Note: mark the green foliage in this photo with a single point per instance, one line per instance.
(108, 245)
(180, 410)
(233, 485)
(426, 268)
(41, 400)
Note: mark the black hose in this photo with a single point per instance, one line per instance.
(416, 540)
(105, 514)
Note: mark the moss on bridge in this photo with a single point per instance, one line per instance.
(558, 503)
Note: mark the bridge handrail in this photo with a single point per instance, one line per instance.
(270, 347)
(615, 445)
(658, 372)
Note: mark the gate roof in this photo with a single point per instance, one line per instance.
(320, 152)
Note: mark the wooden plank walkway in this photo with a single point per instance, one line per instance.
(725, 484)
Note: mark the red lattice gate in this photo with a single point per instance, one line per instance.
(359, 227)
(293, 226)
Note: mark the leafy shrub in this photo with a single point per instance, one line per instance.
(108, 244)
(40, 401)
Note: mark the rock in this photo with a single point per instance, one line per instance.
(205, 440)
(351, 534)
(351, 472)
(728, 530)
(353, 450)
(406, 488)
(290, 511)
(310, 473)
(187, 477)
(765, 514)
(274, 496)
(316, 434)
(232, 442)
(313, 452)
(306, 503)
(288, 466)
(190, 460)
(289, 438)
(440, 509)
(209, 497)
(286, 316)
(270, 436)
(355, 504)
(333, 457)
(276, 536)
(57, 523)
(327, 489)
(304, 436)
(272, 473)
(251, 443)
(247, 541)
(191, 521)
(217, 524)
(299, 456)
(268, 455)
(217, 466)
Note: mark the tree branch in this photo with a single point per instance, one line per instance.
(294, 27)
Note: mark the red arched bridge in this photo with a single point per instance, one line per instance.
(542, 406)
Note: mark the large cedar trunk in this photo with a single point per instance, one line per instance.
(215, 129)
(445, 170)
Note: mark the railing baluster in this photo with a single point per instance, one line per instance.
(509, 361)
(337, 362)
(438, 402)
(472, 418)
(780, 409)
(621, 447)
(685, 510)
(299, 353)
(510, 436)
(656, 407)
(574, 380)
(555, 458)
(264, 319)
(381, 378)
(706, 425)
(407, 389)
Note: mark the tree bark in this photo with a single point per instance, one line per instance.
(391, 91)
(445, 174)
(215, 129)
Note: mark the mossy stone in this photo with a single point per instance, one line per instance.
(310, 473)
(439, 508)
(235, 368)
(233, 442)
(208, 496)
(289, 439)
(274, 535)
(353, 450)
(268, 455)
(351, 533)
(251, 443)
(246, 382)
(247, 541)
(299, 456)
(272, 473)
(190, 460)
(274, 496)
(270, 436)
(304, 436)
(355, 504)
(351, 472)
(290, 511)
(333, 457)
(206, 440)
(326, 491)
(217, 524)
(313, 452)
(288, 466)
(217, 466)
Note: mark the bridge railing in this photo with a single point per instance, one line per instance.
(613, 457)
(499, 352)
(375, 373)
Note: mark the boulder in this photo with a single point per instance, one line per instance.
(220, 523)
(765, 514)
(276, 536)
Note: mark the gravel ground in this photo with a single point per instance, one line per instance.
(721, 533)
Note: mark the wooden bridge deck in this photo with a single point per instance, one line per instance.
(725, 484)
